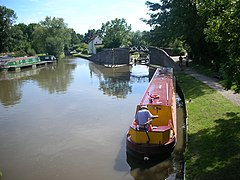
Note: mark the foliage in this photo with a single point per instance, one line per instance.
(232, 74)
(138, 39)
(74, 37)
(177, 46)
(116, 33)
(223, 22)
(209, 30)
(81, 48)
(213, 133)
(173, 20)
(51, 36)
(7, 18)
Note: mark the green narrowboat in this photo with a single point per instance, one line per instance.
(9, 63)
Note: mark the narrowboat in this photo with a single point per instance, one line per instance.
(159, 139)
(48, 58)
(18, 62)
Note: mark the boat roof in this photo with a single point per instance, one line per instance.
(160, 88)
(10, 58)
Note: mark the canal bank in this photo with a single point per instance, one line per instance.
(212, 124)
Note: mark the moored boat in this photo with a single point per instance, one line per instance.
(48, 58)
(18, 62)
(159, 139)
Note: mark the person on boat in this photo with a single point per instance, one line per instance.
(142, 118)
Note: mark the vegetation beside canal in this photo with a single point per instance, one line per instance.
(213, 132)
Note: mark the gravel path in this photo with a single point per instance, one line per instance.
(211, 82)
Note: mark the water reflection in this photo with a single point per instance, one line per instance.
(112, 81)
(78, 136)
(10, 92)
(52, 78)
(11, 84)
(56, 78)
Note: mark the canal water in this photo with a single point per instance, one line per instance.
(69, 121)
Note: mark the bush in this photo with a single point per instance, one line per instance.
(232, 74)
(31, 52)
(177, 47)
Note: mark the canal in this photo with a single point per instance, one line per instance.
(69, 121)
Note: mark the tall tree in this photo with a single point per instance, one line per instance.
(223, 23)
(137, 39)
(51, 36)
(7, 18)
(116, 33)
(177, 19)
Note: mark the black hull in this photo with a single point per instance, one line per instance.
(150, 151)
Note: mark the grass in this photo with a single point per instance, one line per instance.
(213, 148)
(81, 55)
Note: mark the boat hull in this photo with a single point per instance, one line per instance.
(150, 150)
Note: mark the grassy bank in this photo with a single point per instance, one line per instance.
(213, 149)
(86, 56)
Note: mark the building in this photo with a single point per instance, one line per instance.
(94, 41)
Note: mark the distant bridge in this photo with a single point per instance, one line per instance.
(119, 56)
(138, 49)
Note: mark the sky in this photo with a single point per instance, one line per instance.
(81, 15)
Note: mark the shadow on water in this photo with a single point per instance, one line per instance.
(219, 155)
(162, 168)
(157, 168)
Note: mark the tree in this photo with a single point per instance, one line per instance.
(51, 36)
(137, 39)
(74, 37)
(178, 19)
(116, 33)
(209, 28)
(223, 23)
(7, 18)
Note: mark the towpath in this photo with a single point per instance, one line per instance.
(212, 82)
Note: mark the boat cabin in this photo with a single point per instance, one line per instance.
(160, 100)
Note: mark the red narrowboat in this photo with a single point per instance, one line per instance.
(159, 139)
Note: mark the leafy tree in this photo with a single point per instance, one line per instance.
(209, 28)
(177, 19)
(20, 40)
(137, 39)
(7, 18)
(223, 23)
(39, 39)
(51, 36)
(80, 37)
(116, 33)
(74, 37)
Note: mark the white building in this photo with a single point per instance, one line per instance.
(94, 41)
